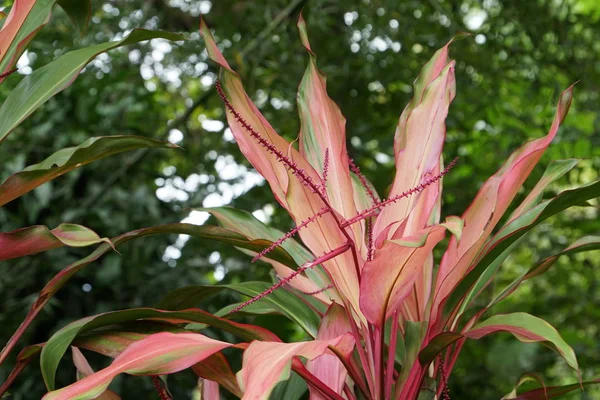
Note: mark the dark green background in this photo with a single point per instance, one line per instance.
(509, 74)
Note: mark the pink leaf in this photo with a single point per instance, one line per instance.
(84, 369)
(267, 363)
(418, 145)
(489, 206)
(323, 130)
(389, 277)
(159, 354)
(328, 368)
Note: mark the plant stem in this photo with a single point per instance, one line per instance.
(389, 375)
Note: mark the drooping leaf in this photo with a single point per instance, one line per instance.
(529, 377)
(161, 353)
(526, 328)
(281, 300)
(68, 159)
(111, 342)
(245, 223)
(58, 344)
(265, 364)
(59, 280)
(551, 392)
(35, 239)
(437, 345)
(35, 89)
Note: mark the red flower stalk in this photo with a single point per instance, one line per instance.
(289, 234)
(354, 168)
(287, 162)
(8, 73)
(319, 291)
(378, 206)
(328, 256)
(325, 170)
(162, 393)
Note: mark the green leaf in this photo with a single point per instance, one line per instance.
(526, 328)
(35, 89)
(587, 243)
(68, 159)
(281, 300)
(79, 11)
(510, 233)
(437, 345)
(292, 389)
(59, 343)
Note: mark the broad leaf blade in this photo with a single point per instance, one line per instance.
(26, 17)
(58, 344)
(35, 239)
(526, 328)
(161, 353)
(68, 159)
(35, 89)
(328, 368)
(281, 300)
(265, 364)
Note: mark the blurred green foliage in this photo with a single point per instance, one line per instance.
(519, 56)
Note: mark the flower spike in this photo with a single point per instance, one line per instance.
(287, 162)
(316, 292)
(326, 257)
(289, 234)
(8, 73)
(325, 170)
(378, 206)
(354, 168)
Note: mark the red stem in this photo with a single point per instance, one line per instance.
(389, 375)
(326, 257)
(13, 375)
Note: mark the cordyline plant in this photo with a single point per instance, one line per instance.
(387, 319)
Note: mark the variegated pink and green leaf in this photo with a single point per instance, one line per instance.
(36, 239)
(161, 353)
(68, 159)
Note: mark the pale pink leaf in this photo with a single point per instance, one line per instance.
(267, 363)
(389, 277)
(328, 368)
